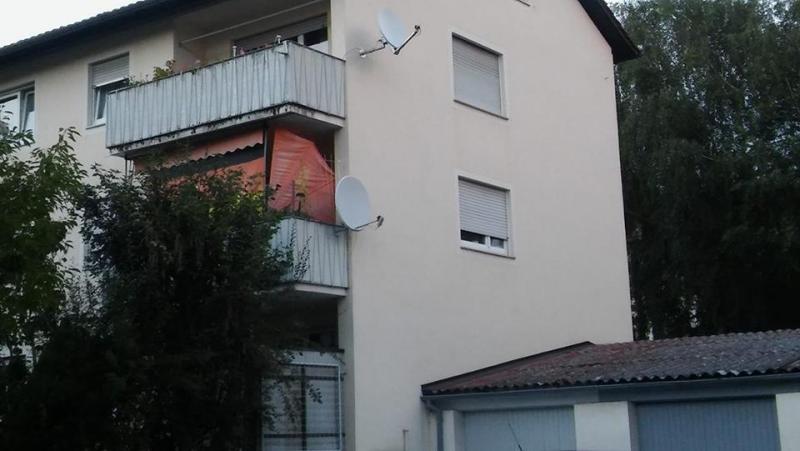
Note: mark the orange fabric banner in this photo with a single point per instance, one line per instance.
(301, 178)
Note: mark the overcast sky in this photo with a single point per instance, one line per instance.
(25, 18)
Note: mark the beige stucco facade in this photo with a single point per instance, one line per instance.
(61, 82)
(420, 307)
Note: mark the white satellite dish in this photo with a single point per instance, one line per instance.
(352, 204)
(392, 28)
(393, 33)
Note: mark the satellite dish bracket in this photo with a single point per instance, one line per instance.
(382, 43)
(417, 30)
(378, 221)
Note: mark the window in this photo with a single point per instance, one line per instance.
(483, 212)
(18, 110)
(476, 76)
(105, 77)
(310, 33)
(306, 409)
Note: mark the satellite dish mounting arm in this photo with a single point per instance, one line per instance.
(383, 42)
(381, 45)
(417, 30)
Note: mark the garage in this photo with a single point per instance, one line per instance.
(734, 392)
(531, 430)
(720, 425)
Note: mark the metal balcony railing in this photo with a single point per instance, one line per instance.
(319, 252)
(286, 78)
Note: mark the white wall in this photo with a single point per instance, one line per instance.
(607, 426)
(788, 406)
(453, 430)
(420, 307)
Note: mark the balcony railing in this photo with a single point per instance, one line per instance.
(287, 78)
(319, 253)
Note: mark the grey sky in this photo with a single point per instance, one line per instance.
(26, 18)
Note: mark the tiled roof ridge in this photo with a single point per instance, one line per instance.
(688, 338)
(563, 349)
(724, 356)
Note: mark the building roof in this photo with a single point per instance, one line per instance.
(588, 364)
(112, 21)
(144, 10)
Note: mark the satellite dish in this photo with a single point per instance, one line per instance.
(392, 28)
(393, 33)
(352, 204)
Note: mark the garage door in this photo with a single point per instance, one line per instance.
(730, 425)
(512, 430)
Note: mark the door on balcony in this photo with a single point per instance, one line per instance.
(305, 409)
(310, 33)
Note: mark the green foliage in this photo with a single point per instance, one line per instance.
(710, 136)
(187, 273)
(163, 72)
(38, 194)
(166, 344)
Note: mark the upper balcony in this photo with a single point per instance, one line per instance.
(286, 79)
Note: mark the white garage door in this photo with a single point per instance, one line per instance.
(729, 425)
(512, 430)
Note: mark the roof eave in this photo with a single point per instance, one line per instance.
(117, 20)
(622, 46)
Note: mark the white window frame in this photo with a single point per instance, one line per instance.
(491, 48)
(96, 100)
(486, 247)
(19, 120)
(94, 91)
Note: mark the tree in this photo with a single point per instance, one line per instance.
(188, 277)
(166, 342)
(38, 195)
(710, 145)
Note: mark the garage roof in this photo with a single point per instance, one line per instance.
(587, 364)
(145, 10)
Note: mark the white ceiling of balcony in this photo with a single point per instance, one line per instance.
(241, 18)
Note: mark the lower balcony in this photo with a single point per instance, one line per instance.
(319, 254)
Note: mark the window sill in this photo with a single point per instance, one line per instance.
(525, 2)
(483, 110)
(93, 126)
(483, 250)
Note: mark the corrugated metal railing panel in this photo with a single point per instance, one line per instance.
(321, 88)
(246, 84)
(725, 425)
(319, 252)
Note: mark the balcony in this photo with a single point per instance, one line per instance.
(287, 79)
(320, 257)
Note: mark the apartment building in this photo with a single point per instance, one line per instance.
(489, 145)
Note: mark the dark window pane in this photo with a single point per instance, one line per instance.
(315, 37)
(473, 237)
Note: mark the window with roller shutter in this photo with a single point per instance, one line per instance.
(483, 215)
(105, 77)
(477, 77)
